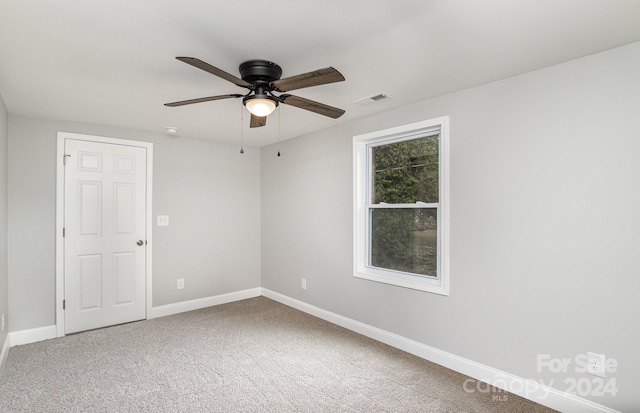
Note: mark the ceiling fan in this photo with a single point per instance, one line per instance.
(262, 78)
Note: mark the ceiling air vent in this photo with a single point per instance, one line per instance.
(372, 99)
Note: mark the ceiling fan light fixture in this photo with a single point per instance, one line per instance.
(260, 105)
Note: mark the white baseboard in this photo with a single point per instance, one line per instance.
(32, 335)
(528, 389)
(4, 353)
(191, 305)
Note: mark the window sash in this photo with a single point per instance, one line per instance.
(369, 236)
(392, 140)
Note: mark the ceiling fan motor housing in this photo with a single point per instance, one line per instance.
(260, 71)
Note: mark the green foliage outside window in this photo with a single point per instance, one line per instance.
(405, 239)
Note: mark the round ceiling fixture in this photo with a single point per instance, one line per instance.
(260, 105)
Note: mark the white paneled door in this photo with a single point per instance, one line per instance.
(104, 234)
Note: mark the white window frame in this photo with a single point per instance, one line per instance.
(362, 145)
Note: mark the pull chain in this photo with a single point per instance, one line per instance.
(241, 130)
(279, 123)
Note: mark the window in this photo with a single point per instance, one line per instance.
(401, 206)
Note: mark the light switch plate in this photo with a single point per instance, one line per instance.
(163, 220)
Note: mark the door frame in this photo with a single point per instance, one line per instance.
(60, 178)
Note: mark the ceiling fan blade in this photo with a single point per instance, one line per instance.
(257, 121)
(214, 71)
(199, 100)
(315, 78)
(312, 106)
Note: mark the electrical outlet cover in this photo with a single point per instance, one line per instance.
(596, 364)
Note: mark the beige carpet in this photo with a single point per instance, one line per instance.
(250, 356)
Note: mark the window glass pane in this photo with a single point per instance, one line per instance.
(405, 240)
(405, 172)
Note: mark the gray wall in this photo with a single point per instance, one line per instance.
(210, 192)
(4, 279)
(545, 223)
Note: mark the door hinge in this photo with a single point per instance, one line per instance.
(64, 159)
(64, 304)
(63, 232)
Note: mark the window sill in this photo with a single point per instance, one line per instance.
(434, 286)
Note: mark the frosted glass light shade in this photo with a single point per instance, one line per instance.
(260, 107)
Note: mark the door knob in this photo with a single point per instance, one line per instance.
(140, 242)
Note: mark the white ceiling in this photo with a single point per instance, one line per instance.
(112, 62)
